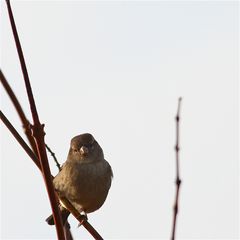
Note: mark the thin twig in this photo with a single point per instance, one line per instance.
(20, 140)
(22, 62)
(54, 157)
(178, 180)
(16, 104)
(38, 133)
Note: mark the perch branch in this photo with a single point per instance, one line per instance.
(66, 203)
(82, 220)
(27, 130)
(178, 180)
(38, 132)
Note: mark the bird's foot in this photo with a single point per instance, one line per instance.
(82, 218)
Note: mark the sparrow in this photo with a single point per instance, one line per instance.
(85, 178)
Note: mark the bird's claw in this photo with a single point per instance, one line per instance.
(82, 218)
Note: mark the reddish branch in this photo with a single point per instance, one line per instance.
(178, 180)
(20, 140)
(27, 130)
(82, 219)
(25, 122)
(38, 133)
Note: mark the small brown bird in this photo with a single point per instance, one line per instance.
(85, 178)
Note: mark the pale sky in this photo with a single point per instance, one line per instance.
(116, 70)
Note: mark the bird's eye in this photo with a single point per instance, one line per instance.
(75, 150)
(90, 145)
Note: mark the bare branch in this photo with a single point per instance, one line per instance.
(27, 131)
(20, 140)
(82, 220)
(38, 133)
(16, 104)
(178, 180)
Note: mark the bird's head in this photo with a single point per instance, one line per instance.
(85, 148)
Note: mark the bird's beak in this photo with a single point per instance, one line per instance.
(83, 151)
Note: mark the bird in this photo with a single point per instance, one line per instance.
(84, 179)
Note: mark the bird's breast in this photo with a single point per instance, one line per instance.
(87, 184)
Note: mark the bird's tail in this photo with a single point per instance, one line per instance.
(64, 213)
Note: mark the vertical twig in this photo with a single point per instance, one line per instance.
(178, 180)
(38, 133)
